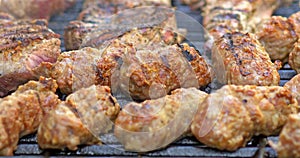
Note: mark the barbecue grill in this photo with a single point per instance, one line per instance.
(187, 146)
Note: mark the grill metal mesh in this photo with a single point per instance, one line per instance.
(188, 146)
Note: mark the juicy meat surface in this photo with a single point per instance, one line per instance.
(22, 112)
(94, 31)
(239, 58)
(34, 9)
(289, 138)
(85, 114)
(156, 120)
(24, 45)
(228, 118)
(156, 69)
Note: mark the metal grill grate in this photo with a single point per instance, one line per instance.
(188, 146)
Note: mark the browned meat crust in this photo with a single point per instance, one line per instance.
(34, 9)
(162, 120)
(22, 112)
(278, 36)
(289, 138)
(84, 114)
(136, 71)
(96, 29)
(228, 118)
(294, 86)
(240, 59)
(24, 45)
(294, 60)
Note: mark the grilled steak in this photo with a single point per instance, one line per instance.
(288, 145)
(34, 9)
(162, 120)
(22, 112)
(96, 26)
(228, 118)
(24, 45)
(136, 71)
(84, 114)
(240, 59)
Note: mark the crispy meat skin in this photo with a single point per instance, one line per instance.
(24, 45)
(240, 59)
(156, 120)
(22, 112)
(289, 138)
(278, 36)
(34, 9)
(228, 118)
(64, 127)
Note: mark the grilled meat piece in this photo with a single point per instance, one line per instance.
(24, 45)
(228, 118)
(240, 59)
(96, 31)
(22, 112)
(136, 71)
(162, 120)
(223, 16)
(294, 86)
(75, 69)
(101, 9)
(84, 114)
(289, 138)
(294, 55)
(278, 36)
(34, 9)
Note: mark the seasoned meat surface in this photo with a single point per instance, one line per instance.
(96, 26)
(156, 120)
(278, 37)
(24, 45)
(22, 112)
(76, 121)
(294, 60)
(289, 138)
(34, 9)
(75, 69)
(151, 72)
(228, 118)
(238, 58)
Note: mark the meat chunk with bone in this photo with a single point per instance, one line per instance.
(24, 45)
(238, 58)
(135, 71)
(22, 112)
(288, 145)
(34, 9)
(228, 118)
(76, 121)
(162, 120)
